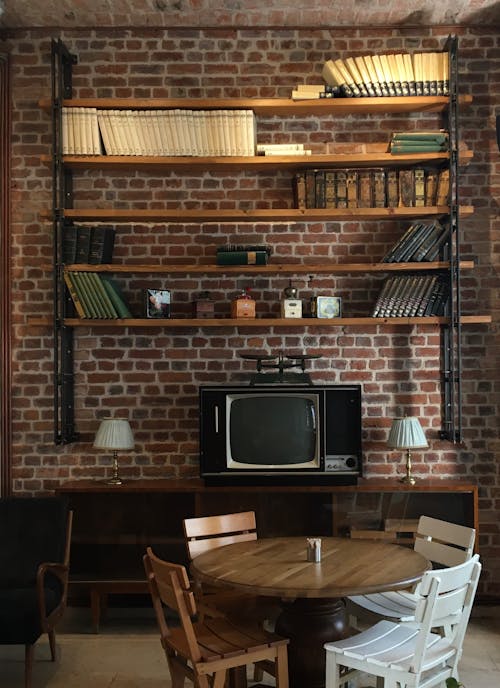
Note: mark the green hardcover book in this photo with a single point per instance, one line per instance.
(82, 293)
(116, 296)
(83, 234)
(105, 301)
(102, 241)
(242, 258)
(74, 295)
(98, 308)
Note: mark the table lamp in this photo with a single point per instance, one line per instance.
(115, 434)
(406, 433)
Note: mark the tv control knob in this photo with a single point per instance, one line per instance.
(350, 462)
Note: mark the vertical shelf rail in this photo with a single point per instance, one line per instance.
(451, 336)
(62, 62)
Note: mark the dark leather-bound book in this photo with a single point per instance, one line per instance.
(102, 242)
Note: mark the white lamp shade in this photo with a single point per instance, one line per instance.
(114, 433)
(406, 433)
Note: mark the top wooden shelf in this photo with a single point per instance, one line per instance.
(272, 106)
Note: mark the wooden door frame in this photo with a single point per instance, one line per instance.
(5, 278)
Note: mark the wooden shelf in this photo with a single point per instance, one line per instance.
(301, 323)
(272, 269)
(275, 215)
(257, 163)
(272, 106)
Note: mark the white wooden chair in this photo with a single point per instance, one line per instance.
(411, 655)
(442, 543)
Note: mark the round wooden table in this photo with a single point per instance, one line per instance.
(313, 611)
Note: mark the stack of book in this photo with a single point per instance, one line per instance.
(420, 243)
(282, 149)
(313, 91)
(87, 131)
(96, 296)
(418, 142)
(371, 188)
(412, 295)
(92, 245)
(389, 74)
(234, 254)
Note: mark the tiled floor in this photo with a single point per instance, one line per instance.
(127, 654)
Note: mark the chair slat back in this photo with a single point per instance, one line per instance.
(447, 544)
(449, 594)
(169, 584)
(209, 532)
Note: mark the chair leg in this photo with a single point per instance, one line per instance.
(52, 643)
(29, 652)
(281, 667)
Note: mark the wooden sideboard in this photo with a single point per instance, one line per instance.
(113, 524)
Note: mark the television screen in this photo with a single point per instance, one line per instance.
(272, 430)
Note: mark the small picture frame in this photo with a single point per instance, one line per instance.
(157, 303)
(328, 307)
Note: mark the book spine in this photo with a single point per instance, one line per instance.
(352, 189)
(103, 296)
(83, 234)
(330, 189)
(81, 290)
(319, 181)
(116, 297)
(392, 189)
(406, 188)
(241, 258)
(379, 194)
(300, 190)
(341, 189)
(98, 310)
(74, 296)
(102, 241)
(69, 242)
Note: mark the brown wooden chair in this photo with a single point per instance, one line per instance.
(208, 532)
(35, 535)
(205, 651)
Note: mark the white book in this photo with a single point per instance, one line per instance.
(252, 132)
(87, 144)
(134, 142)
(157, 143)
(203, 132)
(176, 128)
(231, 126)
(103, 128)
(162, 134)
(96, 139)
(137, 126)
(77, 128)
(124, 131)
(169, 131)
(261, 147)
(238, 133)
(196, 116)
(306, 151)
(146, 132)
(65, 131)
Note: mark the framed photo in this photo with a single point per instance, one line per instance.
(328, 307)
(157, 303)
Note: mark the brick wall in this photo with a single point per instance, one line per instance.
(152, 376)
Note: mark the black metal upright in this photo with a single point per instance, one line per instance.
(62, 62)
(451, 333)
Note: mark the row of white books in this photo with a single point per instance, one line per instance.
(175, 132)
(390, 74)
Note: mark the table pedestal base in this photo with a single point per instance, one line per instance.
(309, 623)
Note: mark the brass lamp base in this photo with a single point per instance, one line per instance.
(115, 479)
(408, 479)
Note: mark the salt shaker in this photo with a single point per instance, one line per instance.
(314, 549)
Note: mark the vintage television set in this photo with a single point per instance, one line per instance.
(280, 434)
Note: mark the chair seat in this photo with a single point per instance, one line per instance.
(392, 605)
(393, 646)
(221, 638)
